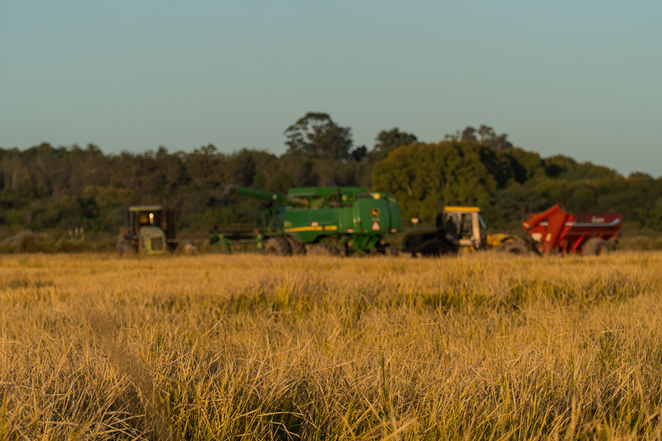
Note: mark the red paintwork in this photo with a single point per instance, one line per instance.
(567, 232)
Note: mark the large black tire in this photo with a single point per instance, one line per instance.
(595, 247)
(277, 246)
(514, 246)
(391, 251)
(323, 249)
(297, 247)
(437, 249)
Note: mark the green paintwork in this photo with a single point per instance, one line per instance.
(152, 240)
(347, 217)
(362, 222)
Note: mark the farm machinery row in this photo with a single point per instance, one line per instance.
(353, 221)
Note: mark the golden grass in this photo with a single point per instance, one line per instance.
(251, 347)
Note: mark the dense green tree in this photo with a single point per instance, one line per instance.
(359, 153)
(526, 165)
(508, 205)
(488, 137)
(421, 175)
(485, 135)
(389, 140)
(280, 182)
(207, 168)
(317, 134)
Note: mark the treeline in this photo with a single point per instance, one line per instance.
(69, 188)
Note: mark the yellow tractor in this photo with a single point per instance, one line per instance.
(459, 230)
(469, 227)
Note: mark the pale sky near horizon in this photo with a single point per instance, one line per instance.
(566, 77)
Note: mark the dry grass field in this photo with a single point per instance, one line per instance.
(251, 347)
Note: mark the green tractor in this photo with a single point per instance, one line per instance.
(149, 230)
(314, 220)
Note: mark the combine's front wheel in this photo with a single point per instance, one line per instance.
(323, 249)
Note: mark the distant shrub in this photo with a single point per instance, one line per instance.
(27, 242)
(640, 243)
(32, 242)
(66, 245)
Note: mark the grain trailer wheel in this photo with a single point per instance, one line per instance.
(595, 247)
(514, 246)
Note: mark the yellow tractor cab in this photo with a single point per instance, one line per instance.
(458, 230)
(468, 226)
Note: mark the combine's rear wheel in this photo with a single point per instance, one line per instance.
(595, 247)
(297, 247)
(277, 246)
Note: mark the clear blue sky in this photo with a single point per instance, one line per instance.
(580, 78)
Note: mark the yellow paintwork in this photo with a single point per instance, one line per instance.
(493, 240)
(311, 228)
(461, 209)
(476, 238)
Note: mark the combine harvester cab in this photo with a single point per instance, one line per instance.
(555, 230)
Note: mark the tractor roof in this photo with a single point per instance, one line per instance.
(145, 208)
(461, 209)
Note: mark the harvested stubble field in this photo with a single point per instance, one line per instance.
(251, 347)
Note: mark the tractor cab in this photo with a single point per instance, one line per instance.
(147, 230)
(144, 216)
(458, 230)
(465, 224)
(468, 226)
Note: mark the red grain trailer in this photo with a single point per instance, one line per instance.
(584, 233)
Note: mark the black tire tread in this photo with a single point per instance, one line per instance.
(277, 246)
(324, 249)
(595, 246)
(296, 247)
(514, 246)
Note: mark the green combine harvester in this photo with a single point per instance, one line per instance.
(314, 220)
